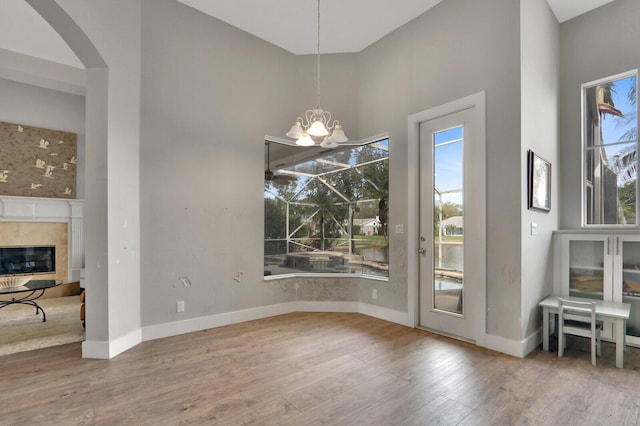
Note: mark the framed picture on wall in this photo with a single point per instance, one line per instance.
(539, 182)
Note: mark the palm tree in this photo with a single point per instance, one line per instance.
(625, 163)
(605, 174)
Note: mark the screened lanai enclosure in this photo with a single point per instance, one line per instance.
(326, 210)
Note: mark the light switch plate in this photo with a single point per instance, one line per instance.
(399, 228)
(534, 228)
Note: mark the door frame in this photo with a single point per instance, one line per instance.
(478, 102)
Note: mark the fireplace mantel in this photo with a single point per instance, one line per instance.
(30, 209)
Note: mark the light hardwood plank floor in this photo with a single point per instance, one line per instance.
(318, 368)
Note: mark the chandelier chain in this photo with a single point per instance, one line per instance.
(316, 125)
(318, 61)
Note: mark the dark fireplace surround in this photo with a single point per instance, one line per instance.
(27, 260)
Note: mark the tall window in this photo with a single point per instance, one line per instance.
(326, 212)
(610, 142)
(448, 203)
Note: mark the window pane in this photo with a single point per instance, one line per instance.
(610, 144)
(448, 280)
(611, 194)
(330, 214)
(631, 284)
(585, 269)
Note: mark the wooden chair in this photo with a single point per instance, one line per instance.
(578, 319)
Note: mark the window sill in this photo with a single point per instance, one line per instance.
(312, 275)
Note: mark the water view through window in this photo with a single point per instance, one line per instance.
(326, 211)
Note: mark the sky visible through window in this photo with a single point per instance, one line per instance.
(613, 128)
(619, 129)
(448, 163)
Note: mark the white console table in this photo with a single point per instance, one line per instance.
(616, 312)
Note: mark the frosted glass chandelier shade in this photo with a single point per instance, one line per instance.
(318, 129)
(305, 141)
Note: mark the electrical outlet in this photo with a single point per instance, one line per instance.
(399, 228)
(180, 306)
(374, 294)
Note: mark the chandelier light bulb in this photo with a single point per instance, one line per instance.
(305, 141)
(317, 129)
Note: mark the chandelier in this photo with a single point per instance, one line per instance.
(316, 125)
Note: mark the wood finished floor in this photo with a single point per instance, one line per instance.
(317, 368)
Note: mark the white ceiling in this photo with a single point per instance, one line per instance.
(567, 9)
(346, 25)
(22, 30)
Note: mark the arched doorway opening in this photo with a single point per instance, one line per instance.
(96, 118)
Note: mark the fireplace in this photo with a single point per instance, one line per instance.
(46, 222)
(27, 260)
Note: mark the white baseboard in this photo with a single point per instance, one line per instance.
(313, 306)
(386, 314)
(158, 331)
(190, 325)
(517, 348)
(532, 341)
(375, 311)
(107, 350)
(95, 349)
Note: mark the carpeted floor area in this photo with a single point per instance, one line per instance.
(22, 330)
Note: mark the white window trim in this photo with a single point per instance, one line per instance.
(583, 182)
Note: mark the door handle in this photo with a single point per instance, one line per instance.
(422, 250)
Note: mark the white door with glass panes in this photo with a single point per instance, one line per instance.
(451, 221)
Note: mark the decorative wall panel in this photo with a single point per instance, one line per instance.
(37, 162)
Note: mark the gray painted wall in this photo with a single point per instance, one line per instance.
(205, 90)
(540, 65)
(598, 44)
(209, 95)
(50, 109)
(456, 49)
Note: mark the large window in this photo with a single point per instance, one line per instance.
(610, 142)
(326, 211)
